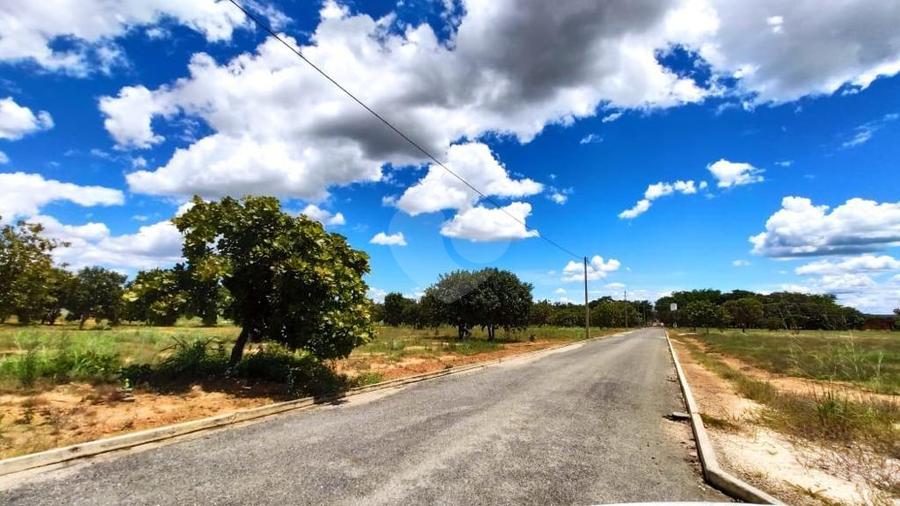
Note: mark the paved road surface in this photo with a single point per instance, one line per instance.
(581, 426)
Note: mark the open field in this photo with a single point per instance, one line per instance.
(867, 359)
(74, 392)
(813, 392)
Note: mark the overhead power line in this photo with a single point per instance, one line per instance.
(259, 22)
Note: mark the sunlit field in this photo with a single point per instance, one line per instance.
(869, 359)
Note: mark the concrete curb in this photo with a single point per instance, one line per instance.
(124, 441)
(714, 475)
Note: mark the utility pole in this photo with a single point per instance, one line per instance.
(626, 309)
(587, 308)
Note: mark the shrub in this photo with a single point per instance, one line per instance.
(302, 373)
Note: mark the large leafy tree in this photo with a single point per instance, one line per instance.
(26, 271)
(541, 312)
(745, 312)
(397, 309)
(502, 300)
(95, 293)
(155, 297)
(290, 281)
(455, 294)
(60, 286)
(703, 313)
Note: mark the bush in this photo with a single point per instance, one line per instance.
(189, 360)
(302, 373)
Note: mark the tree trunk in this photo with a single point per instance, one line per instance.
(83, 321)
(490, 329)
(461, 329)
(237, 353)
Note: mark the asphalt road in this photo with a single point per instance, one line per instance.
(579, 426)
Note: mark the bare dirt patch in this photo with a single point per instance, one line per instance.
(414, 363)
(796, 473)
(74, 413)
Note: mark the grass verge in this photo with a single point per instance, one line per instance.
(868, 359)
(820, 416)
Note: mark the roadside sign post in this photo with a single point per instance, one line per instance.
(673, 307)
(587, 308)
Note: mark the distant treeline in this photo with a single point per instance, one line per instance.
(744, 309)
(695, 308)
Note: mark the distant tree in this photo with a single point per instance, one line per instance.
(60, 285)
(745, 312)
(897, 318)
(377, 311)
(502, 300)
(540, 313)
(431, 311)
(567, 315)
(26, 271)
(395, 304)
(95, 293)
(702, 313)
(413, 315)
(603, 314)
(289, 280)
(155, 297)
(455, 292)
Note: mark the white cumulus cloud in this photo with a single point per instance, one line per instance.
(155, 245)
(655, 191)
(323, 216)
(17, 121)
(29, 30)
(24, 194)
(597, 268)
(439, 92)
(473, 162)
(857, 264)
(384, 239)
(482, 224)
(800, 228)
(730, 174)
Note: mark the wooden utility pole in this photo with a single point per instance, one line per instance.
(587, 307)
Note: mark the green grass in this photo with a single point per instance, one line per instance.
(869, 359)
(31, 356)
(819, 416)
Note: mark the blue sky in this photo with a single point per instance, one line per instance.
(713, 123)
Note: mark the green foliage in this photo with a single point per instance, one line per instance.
(606, 312)
(155, 297)
(399, 310)
(26, 272)
(702, 313)
(290, 281)
(490, 298)
(59, 362)
(95, 293)
(541, 312)
(301, 372)
(781, 310)
(746, 312)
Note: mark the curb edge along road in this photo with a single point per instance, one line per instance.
(105, 445)
(714, 475)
